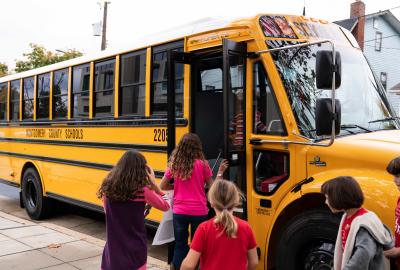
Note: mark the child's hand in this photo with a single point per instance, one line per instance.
(392, 253)
(223, 166)
(150, 173)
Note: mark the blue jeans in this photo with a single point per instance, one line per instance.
(181, 232)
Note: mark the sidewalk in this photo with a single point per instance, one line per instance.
(25, 245)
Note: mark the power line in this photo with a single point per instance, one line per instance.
(376, 13)
(382, 38)
(386, 48)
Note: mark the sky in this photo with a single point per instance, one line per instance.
(63, 25)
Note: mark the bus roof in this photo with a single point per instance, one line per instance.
(179, 32)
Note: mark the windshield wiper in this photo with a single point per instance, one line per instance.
(348, 126)
(384, 119)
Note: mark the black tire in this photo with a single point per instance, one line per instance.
(37, 206)
(308, 241)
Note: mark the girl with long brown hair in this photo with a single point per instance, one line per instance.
(191, 172)
(125, 191)
(224, 242)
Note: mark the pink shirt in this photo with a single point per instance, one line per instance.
(189, 194)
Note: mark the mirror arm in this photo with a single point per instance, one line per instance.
(257, 141)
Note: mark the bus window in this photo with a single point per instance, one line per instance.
(133, 83)
(159, 81)
(103, 95)
(80, 91)
(271, 169)
(43, 92)
(3, 101)
(14, 102)
(28, 98)
(60, 93)
(266, 115)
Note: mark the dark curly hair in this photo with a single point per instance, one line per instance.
(185, 153)
(126, 178)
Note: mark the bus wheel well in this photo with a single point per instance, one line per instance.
(307, 202)
(27, 166)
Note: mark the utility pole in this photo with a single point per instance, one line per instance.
(104, 32)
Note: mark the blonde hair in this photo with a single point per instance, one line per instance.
(224, 196)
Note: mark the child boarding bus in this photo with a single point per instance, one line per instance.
(290, 101)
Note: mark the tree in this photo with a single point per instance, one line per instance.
(39, 57)
(3, 69)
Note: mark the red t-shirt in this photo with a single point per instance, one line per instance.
(397, 229)
(220, 252)
(347, 224)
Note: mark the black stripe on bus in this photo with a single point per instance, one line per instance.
(119, 146)
(92, 165)
(141, 122)
(91, 206)
(9, 183)
(83, 204)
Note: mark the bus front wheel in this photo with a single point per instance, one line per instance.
(36, 205)
(308, 241)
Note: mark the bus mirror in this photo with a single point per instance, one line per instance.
(324, 69)
(324, 116)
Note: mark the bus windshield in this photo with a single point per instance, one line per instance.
(363, 102)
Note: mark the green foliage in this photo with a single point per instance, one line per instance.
(3, 69)
(39, 57)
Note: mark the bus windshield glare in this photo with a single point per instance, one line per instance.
(363, 101)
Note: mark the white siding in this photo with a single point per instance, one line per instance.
(388, 59)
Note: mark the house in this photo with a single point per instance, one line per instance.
(378, 35)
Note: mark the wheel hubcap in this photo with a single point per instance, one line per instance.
(319, 256)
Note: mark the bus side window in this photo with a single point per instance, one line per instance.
(28, 98)
(80, 91)
(133, 83)
(60, 93)
(14, 100)
(43, 92)
(103, 96)
(267, 118)
(159, 79)
(3, 101)
(271, 169)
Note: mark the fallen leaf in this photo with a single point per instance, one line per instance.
(54, 246)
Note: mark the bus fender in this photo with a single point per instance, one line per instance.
(32, 164)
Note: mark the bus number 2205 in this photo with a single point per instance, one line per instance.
(160, 135)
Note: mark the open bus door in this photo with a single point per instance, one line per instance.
(234, 112)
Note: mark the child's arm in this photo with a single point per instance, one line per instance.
(364, 250)
(252, 259)
(156, 200)
(392, 253)
(220, 174)
(191, 260)
(165, 185)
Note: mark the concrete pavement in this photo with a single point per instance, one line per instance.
(25, 245)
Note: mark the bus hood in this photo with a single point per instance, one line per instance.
(367, 151)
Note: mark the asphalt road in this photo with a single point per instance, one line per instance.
(73, 218)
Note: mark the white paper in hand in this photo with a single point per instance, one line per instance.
(165, 231)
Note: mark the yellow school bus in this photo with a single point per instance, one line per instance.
(290, 101)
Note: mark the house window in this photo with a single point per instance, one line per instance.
(384, 79)
(378, 41)
(375, 22)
